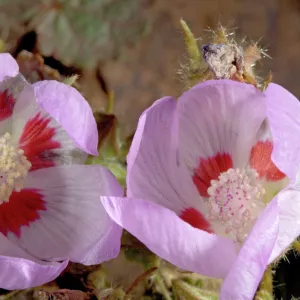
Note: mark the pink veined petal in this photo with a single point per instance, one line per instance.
(289, 221)
(71, 111)
(20, 270)
(283, 110)
(164, 233)
(8, 66)
(161, 114)
(44, 141)
(214, 119)
(74, 224)
(153, 169)
(243, 279)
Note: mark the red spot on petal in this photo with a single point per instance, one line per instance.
(37, 142)
(210, 169)
(7, 103)
(195, 219)
(260, 160)
(21, 210)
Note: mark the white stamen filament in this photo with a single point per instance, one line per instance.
(14, 167)
(233, 198)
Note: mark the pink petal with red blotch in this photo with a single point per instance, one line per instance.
(43, 140)
(260, 160)
(214, 119)
(195, 219)
(283, 110)
(8, 68)
(74, 226)
(37, 141)
(154, 172)
(209, 169)
(12, 89)
(168, 236)
(22, 209)
(67, 106)
(7, 103)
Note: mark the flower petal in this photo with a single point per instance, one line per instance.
(153, 169)
(74, 224)
(289, 221)
(260, 160)
(283, 110)
(12, 89)
(71, 111)
(214, 119)
(7, 103)
(20, 271)
(210, 169)
(21, 210)
(8, 66)
(243, 279)
(44, 141)
(164, 233)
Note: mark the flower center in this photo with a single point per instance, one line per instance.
(234, 199)
(14, 167)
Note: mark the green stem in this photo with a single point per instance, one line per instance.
(110, 103)
(191, 47)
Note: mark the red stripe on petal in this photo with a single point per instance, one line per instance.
(260, 160)
(37, 142)
(21, 210)
(7, 103)
(209, 169)
(195, 219)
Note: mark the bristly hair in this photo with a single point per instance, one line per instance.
(198, 67)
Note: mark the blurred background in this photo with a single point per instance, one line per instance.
(134, 47)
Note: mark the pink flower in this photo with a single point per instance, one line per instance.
(212, 182)
(50, 207)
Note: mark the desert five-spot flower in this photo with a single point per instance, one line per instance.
(50, 208)
(212, 181)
